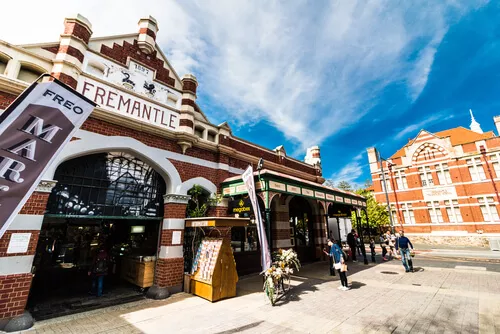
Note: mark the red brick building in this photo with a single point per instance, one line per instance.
(443, 186)
(123, 180)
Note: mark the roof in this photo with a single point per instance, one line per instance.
(458, 136)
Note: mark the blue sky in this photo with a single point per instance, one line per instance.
(345, 75)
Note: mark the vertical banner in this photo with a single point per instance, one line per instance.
(264, 248)
(33, 130)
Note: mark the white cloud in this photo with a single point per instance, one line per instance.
(352, 171)
(309, 70)
(412, 129)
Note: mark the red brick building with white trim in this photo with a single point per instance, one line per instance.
(443, 186)
(145, 145)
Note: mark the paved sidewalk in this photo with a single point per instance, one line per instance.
(384, 299)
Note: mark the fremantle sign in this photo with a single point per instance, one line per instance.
(128, 105)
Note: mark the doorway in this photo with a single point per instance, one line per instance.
(105, 212)
(301, 224)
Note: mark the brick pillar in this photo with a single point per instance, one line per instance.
(15, 266)
(280, 227)
(73, 45)
(319, 234)
(170, 263)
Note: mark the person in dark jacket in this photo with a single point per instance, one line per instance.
(403, 244)
(98, 270)
(338, 259)
(351, 241)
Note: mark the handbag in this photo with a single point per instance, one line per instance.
(412, 253)
(337, 265)
(343, 267)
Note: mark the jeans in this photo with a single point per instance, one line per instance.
(99, 280)
(343, 277)
(406, 258)
(353, 252)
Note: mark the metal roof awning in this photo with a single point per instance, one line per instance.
(269, 180)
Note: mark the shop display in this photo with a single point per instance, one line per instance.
(213, 271)
(140, 273)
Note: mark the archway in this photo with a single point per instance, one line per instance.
(301, 224)
(104, 203)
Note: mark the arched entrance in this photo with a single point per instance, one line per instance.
(106, 201)
(301, 224)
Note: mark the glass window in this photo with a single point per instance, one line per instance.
(401, 180)
(488, 208)
(107, 184)
(476, 169)
(453, 211)
(408, 214)
(443, 174)
(244, 239)
(426, 176)
(434, 212)
(387, 185)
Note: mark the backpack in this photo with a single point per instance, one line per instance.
(101, 265)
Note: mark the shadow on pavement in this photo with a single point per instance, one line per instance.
(241, 328)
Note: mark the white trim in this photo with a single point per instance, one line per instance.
(201, 181)
(453, 224)
(26, 223)
(438, 185)
(171, 252)
(12, 265)
(173, 223)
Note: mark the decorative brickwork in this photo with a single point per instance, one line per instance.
(175, 210)
(189, 86)
(36, 204)
(68, 80)
(14, 291)
(72, 51)
(52, 49)
(6, 99)
(77, 30)
(186, 122)
(148, 32)
(188, 102)
(121, 52)
(4, 243)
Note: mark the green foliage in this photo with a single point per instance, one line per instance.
(377, 213)
(344, 185)
(202, 202)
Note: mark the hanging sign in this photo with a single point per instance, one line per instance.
(240, 206)
(264, 249)
(33, 130)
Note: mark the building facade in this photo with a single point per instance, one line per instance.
(124, 179)
(443, 186)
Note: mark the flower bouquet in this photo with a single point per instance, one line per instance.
(285, 261)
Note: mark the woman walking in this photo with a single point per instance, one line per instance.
(339, 264)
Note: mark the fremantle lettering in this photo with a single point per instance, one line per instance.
(128, 105)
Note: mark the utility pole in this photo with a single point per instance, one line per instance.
(385, 190)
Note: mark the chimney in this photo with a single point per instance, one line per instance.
(496, 119)
(373, 159)
(148, 27)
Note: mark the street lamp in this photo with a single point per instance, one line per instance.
(385, 191)
(389, 165)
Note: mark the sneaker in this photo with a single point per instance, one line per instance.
(346, 288)
(354, 261)
(340, 287)
(385, 259)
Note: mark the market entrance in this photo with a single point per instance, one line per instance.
(301, 224)
(103, 220)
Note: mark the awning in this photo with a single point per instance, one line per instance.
(283, 183)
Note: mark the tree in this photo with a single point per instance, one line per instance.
(377, 213)
(200, 202)
(344, 185)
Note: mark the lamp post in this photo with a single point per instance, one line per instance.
(389, 165)
(267, 209)
(483, 152)
(386, 194)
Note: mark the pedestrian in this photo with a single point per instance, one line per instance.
(351, 241)
(98, 270)
(389, 245)
(332, 269)
(339, 261)
(358, 243)
(372, 249)
(383, 245)
(402, 244)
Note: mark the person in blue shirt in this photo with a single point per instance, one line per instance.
(403, 244)
(338, 259)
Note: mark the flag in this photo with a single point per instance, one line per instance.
(33, 130)
(261, 231)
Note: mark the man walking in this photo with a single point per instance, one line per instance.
(402, 244)
(351, 241)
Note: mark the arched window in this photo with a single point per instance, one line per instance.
(29, 72)
(4, 59)
(111, 184)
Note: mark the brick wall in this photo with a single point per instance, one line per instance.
(174, 210)
(6, 99)
(169, 272)
(166, 236)
(14, 291)
(4, 243)
(36, 204)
